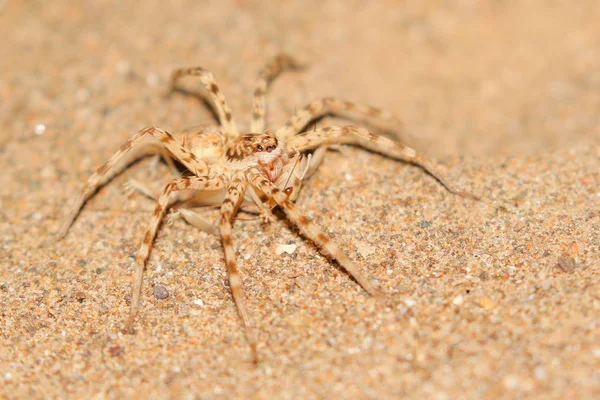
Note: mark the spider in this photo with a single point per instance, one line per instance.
(257, 170)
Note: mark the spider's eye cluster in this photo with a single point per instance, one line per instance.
(258, 148)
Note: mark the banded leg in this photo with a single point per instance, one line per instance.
(100, 176)
(266, 76)
(235, 195)
(218, 99)
(191, 217)
(191, 183)
(376, 117)
(381, 144)
(311, 230)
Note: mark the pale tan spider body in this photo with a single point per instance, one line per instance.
(257, 170)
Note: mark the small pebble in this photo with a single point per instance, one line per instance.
(115, 350)
(486, 302)
(40, 129)
(161, 292)
(285, 248)
(410, 302)
(539, 372)
(425, 224)
(198, 302)
(458, 301)
(80, 296)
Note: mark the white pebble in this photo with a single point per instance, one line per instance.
(40, 129)
(458, 301)
(198, 302)
(285, 248)
(152, 79)
(539, 372)
(410, 302)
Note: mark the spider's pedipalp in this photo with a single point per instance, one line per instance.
(218, 99)
(381, 144)
(200, 183)
(266, 76)
(235, 195)
(311, 230)
(376, 117)
(95, 181)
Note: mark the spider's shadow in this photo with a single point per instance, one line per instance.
(200, 96)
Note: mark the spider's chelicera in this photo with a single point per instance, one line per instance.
(255, 171)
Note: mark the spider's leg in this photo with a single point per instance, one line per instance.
(218, 99)
(375, 117)
(381, 144)
(102, 174)
(190, 183)
(315, 161)
(197, 221)
(235, 195)
(311, 230)
(266, 76)
(191, 217)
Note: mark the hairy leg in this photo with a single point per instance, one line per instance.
(218, 99)
(311, 230)
(195, 165)
(266, 76)
(376, 117)
(235, 195)
(191, 183)
(381, 144)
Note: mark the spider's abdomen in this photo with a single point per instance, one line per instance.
(206, 146)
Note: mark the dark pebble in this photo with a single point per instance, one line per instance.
(161, 292)
(115, 350)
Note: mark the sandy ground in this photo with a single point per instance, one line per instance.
(496, 301)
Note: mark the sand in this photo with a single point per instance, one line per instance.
(488, 300)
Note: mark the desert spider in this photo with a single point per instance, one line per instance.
(261, 169)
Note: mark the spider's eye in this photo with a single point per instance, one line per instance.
(259, 148)
(270, 148)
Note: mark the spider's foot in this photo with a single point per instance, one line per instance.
(129, 187)
(172, 216)
(266, 217)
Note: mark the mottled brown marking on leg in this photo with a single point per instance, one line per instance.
(323, 238)
(227, 240)
(213, 88)
(126, 146)
(103, 168)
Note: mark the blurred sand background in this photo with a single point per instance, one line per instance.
(487, 303)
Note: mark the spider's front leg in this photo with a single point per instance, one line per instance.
(102, 173)
(199, 183)
(311, 230)
(235, 195)
(357, 135)
(266, 76)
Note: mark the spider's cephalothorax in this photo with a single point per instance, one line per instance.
(262, 150)
(261, 170)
